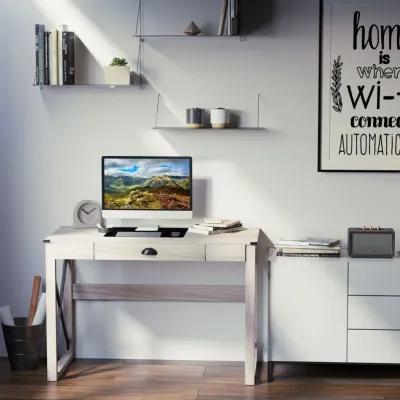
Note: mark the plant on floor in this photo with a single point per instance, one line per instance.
(120, 62)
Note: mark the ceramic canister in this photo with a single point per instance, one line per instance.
(195, 117)
(219, 118)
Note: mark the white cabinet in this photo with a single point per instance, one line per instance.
(335, 310)
(308, 306)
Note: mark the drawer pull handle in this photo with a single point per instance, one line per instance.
(149, 251)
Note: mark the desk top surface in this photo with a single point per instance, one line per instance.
(67, 233)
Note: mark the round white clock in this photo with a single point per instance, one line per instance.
(87, 214)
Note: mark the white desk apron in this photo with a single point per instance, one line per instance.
(249, 247)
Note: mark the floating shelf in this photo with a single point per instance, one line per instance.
(100, 85)
(184, 128)
(181, 128)
(185, 36)
(139, 32)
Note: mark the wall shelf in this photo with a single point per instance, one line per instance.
(139, 33)
(98, 85)
(181, 128)
(186, 36)
(207, 129)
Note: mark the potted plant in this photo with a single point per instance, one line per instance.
(118, 72)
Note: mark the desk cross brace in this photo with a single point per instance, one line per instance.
(60, 296)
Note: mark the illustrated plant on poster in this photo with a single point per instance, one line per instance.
(359, 115)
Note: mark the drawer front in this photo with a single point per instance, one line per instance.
(133, 251)
(225, 252)
(367, 277)
(374, 312)
(72, 251)
(374, 347)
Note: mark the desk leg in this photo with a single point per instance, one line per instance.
(250, 314)
(51, 316)
(68, 307)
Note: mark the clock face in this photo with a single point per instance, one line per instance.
(87, 214)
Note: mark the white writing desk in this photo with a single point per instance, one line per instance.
(67, 244)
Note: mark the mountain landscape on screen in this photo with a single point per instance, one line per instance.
(147, 184)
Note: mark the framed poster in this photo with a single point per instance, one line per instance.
(359, 93)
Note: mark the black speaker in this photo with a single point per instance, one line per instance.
(371, 242)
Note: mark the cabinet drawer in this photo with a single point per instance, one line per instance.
(225, 252)
(133, 251)
(374, 312)
(374, 347)
(374, 277)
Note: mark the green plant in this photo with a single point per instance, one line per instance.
(120, 62)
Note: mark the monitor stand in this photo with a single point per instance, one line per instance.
(134, 232)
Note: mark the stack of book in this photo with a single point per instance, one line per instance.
(308, 248)
(215, 226)
(55, 56)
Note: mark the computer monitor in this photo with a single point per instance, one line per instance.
(147, 187)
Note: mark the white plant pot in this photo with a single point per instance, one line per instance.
(117, 75)
(220, 118)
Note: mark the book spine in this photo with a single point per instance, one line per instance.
(306, 255)
(204, 228)
(229, 18)
(70, 58)
(53, 58)
(60, 54)
(222, 19)
(41, 54)
(37, 54)
(201, 232)
(318, 251)
(50, 57)
(64, 58)
(310, 252)
(235, 18)
(46, 59)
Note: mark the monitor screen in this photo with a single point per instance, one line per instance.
(147, 183)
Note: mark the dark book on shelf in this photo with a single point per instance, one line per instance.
(39, 48)
(235, 21)
(36, 54)
(68, 58)
(46, 58)
(283, 254)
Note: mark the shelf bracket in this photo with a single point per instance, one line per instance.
(157, 109)
(139, 63)
(138, 32)
(139, 19)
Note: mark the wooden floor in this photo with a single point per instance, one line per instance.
(202, 381)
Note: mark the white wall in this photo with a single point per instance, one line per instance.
(52, 140)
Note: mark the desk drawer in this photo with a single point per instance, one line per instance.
(71, 250)
(374, 312)
(133, 251)
(225, 252)
(374, 347)
(374, 277)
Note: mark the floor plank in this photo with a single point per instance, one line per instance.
(191, 380)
